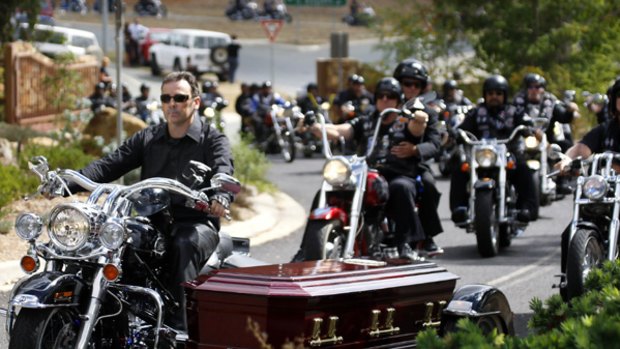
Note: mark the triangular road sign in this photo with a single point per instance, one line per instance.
(272, 27)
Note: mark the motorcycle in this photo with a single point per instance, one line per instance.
(212, 111)
(277, 134)
(593, 235)
(348, 218)
(539, 159)
(451, 116)
(151, 8)
(101, 283)
(244, 11)
(492, 198)
(74, 6)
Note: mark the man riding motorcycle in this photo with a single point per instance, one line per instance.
(603, 137)
(414, 78)
(535, 101)
(494, 118)
(452, 95)
(353, 101)
(395, 156)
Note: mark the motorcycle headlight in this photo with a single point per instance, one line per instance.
(531, 143)
(28, 226)
(595, 187)
(336, 171)
(486, 157)
(69, 227)
(112, 234)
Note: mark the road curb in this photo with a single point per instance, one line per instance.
(278, 215)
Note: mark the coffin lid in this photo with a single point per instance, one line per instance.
(318, 278)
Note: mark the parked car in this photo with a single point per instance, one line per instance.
(55, 40)
(198, 51)
(152, 36)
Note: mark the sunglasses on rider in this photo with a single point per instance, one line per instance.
(532, 87)
(382, 95)
(412, 83)
(179, 98)
(495, 92)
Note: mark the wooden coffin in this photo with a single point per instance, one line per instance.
(321, 304)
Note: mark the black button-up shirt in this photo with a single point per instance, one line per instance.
(160, 155)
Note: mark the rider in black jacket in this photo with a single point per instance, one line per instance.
(494, 118)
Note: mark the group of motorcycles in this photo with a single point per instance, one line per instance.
(249, 10)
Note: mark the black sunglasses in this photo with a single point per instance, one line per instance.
(177, 98)
(410, 83)
(382, 95)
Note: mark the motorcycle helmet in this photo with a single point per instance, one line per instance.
(496, 83)
(311, 87)
(533, 78)
(614, 93)
(390, 86)
(144, 87)
(266, 84)
(449, 85)
(356, 79)
(208, 84)
(412, 68)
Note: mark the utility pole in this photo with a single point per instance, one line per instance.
(119, 69)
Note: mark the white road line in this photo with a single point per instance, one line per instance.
(511, 277)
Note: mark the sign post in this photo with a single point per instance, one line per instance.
(272, 28)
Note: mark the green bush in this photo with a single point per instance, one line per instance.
(251, 165)
(61, 156)
(14, 183)
(589, 321)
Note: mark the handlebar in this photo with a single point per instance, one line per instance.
(464, 135)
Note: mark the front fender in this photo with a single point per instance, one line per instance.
(486, 184)
(475, 301)
(48, 289)
(329, 213)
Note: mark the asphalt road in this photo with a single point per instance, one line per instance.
(524, 270)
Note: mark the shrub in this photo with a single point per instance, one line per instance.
(13, 184)
(66, 156)
(251, 165)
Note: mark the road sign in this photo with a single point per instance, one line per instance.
(333, 3)
(272, 27)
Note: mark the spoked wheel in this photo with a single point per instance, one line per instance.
(585, 253)
(322, 240)
(486, 224)
(45, 328)
(288, 146)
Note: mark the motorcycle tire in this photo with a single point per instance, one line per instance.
(443, 164)
(288, 149)
(44, 328)
(584, 253)
(486, 224)
(538, 194)
(322, 240)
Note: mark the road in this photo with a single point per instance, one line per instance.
(524, 270)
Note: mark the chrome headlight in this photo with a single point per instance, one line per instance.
(28, 226)
(531, 143)
(595, 187)
(70, 226)
(112, 234)
(336, 171)
(486, 157)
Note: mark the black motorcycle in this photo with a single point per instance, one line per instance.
(101, 285)
(151, 8)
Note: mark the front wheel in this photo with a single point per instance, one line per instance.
(486, 224)
(288, 146)
(45, 328)
(322, 240)
(538, 193)
(585, 253)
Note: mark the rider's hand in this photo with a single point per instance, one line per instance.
(564, 165)
(217, 209)
(417, 125)
(404, 150)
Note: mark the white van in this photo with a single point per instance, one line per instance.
(198, 51)
(55, 40)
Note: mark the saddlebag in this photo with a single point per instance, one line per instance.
(327, 303)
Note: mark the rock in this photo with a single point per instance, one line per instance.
(6, 153)
(104, 124)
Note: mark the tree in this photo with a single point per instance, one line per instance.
(8, 8)
(573, 42)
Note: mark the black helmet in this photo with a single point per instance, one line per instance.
(496, 83)
(311, 86)
(390, 86)
(614, 93)
(449, 85)
(356, 79)
(533, 78)
(208, 84)
(144, 87)
(266, 84)
(411, 68)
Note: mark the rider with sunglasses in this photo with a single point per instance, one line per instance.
(414, 79)
(164, 150)
(494, 117)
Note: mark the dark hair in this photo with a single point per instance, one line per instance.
(183, 75)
